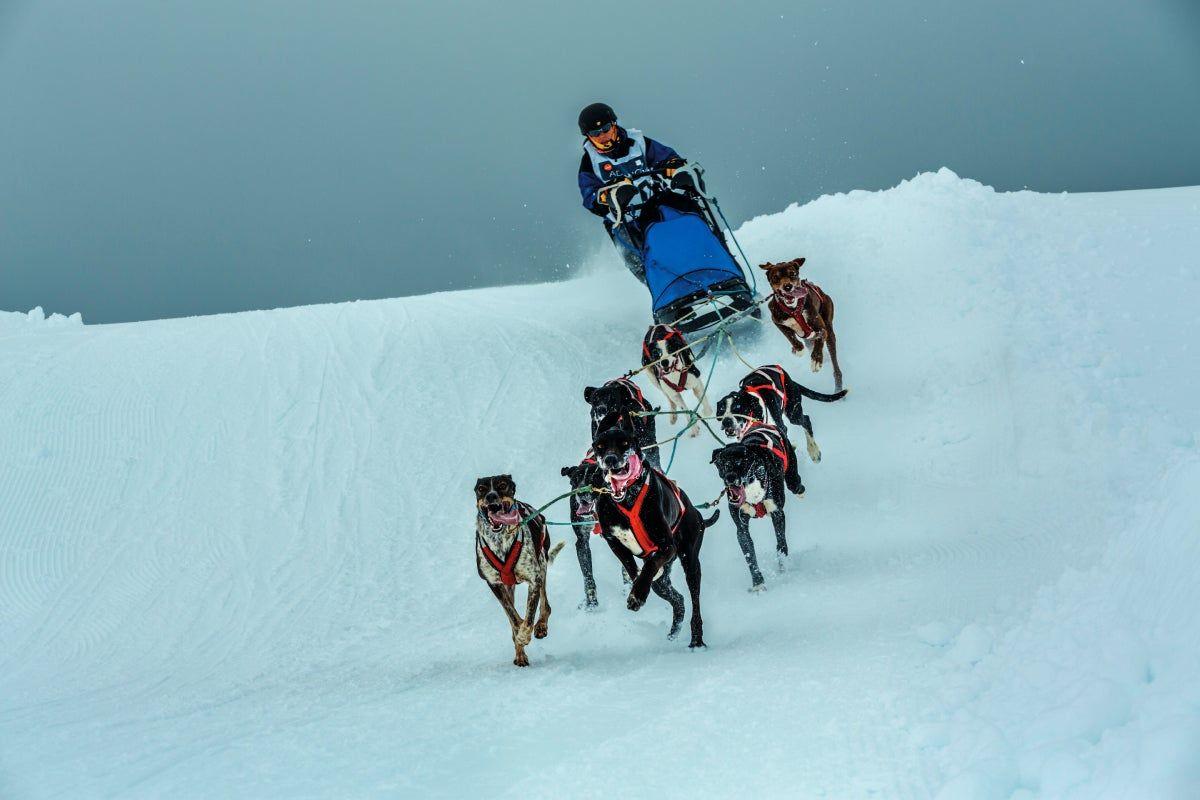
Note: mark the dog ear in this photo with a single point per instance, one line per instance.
(716, 453)
(588, 393)
(766, 266)
(799, 262)
(565, 471)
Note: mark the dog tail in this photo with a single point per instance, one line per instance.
(708, 523)
(824, 398)
(554, 552)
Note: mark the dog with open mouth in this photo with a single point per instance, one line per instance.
(622, 396)
(584, 522)
(768, 394)
(753, 470)
(512, 546)
(644, 515)
(803, 313)
(668, 359)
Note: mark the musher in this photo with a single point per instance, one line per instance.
(611, 152)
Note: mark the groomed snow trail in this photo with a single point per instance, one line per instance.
(236, 552)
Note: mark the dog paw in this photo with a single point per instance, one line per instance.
(815, 365)
(798, 351)
(697, 643)
(542, 630)
(814, 452)
(521, 660)
(694, 432)
(633, 603)
(761, 586)
(589, 605)
(524, 634)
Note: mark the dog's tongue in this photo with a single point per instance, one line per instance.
(737, 494)
(510, 517)
(619, 481)
(796, 295)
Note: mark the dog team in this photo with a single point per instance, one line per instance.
(620, 492)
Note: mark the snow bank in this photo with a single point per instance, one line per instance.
(235, 552)
(13, 322)
(1092, 693)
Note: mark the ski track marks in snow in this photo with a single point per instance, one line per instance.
(236, 552)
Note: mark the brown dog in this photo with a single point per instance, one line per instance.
(803, 313)
(512, 546)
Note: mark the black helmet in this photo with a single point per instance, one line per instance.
(597, 115)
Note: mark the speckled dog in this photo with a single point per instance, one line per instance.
(510, 550)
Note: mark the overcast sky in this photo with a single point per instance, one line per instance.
(165, 158)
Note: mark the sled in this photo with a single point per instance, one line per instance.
(693, 278)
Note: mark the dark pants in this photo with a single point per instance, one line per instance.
(630, 253)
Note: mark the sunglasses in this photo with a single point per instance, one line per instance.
(603, 129)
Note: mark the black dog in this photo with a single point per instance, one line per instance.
(622, 396)
(768, 394)
(645, 514)
(754, 471)
(583, 520)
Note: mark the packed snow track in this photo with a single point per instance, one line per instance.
(236, 552)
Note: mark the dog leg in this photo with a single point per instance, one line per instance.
(817, 355)
(781, 546)
(629, 566)
(531, 607)
(641, 584)
(542, 629)
(504, 594)
(689, 556)
(742, 523)
(664, 589)
(583, 551)
(791, 475)
(676, 403)
(814, 451)
(837, 369)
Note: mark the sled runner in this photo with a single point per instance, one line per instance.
(693, 278)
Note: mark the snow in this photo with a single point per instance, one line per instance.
(236, 555)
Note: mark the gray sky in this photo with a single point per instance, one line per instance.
(163, 158)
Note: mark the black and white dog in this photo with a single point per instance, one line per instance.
(622, 396)
(668, 359)
(644, 514)
(512, 546)
(768, 394)
(753, 470)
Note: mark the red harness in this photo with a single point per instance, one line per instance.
(672, 333)
(769, 438)
(777, 385)
(777, 307)
(634, 515)
(633, 390)
(507, 567)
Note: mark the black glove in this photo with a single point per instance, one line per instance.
(622, 193)
(683, 182)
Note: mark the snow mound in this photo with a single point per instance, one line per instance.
(13, 322)
(236, 556)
